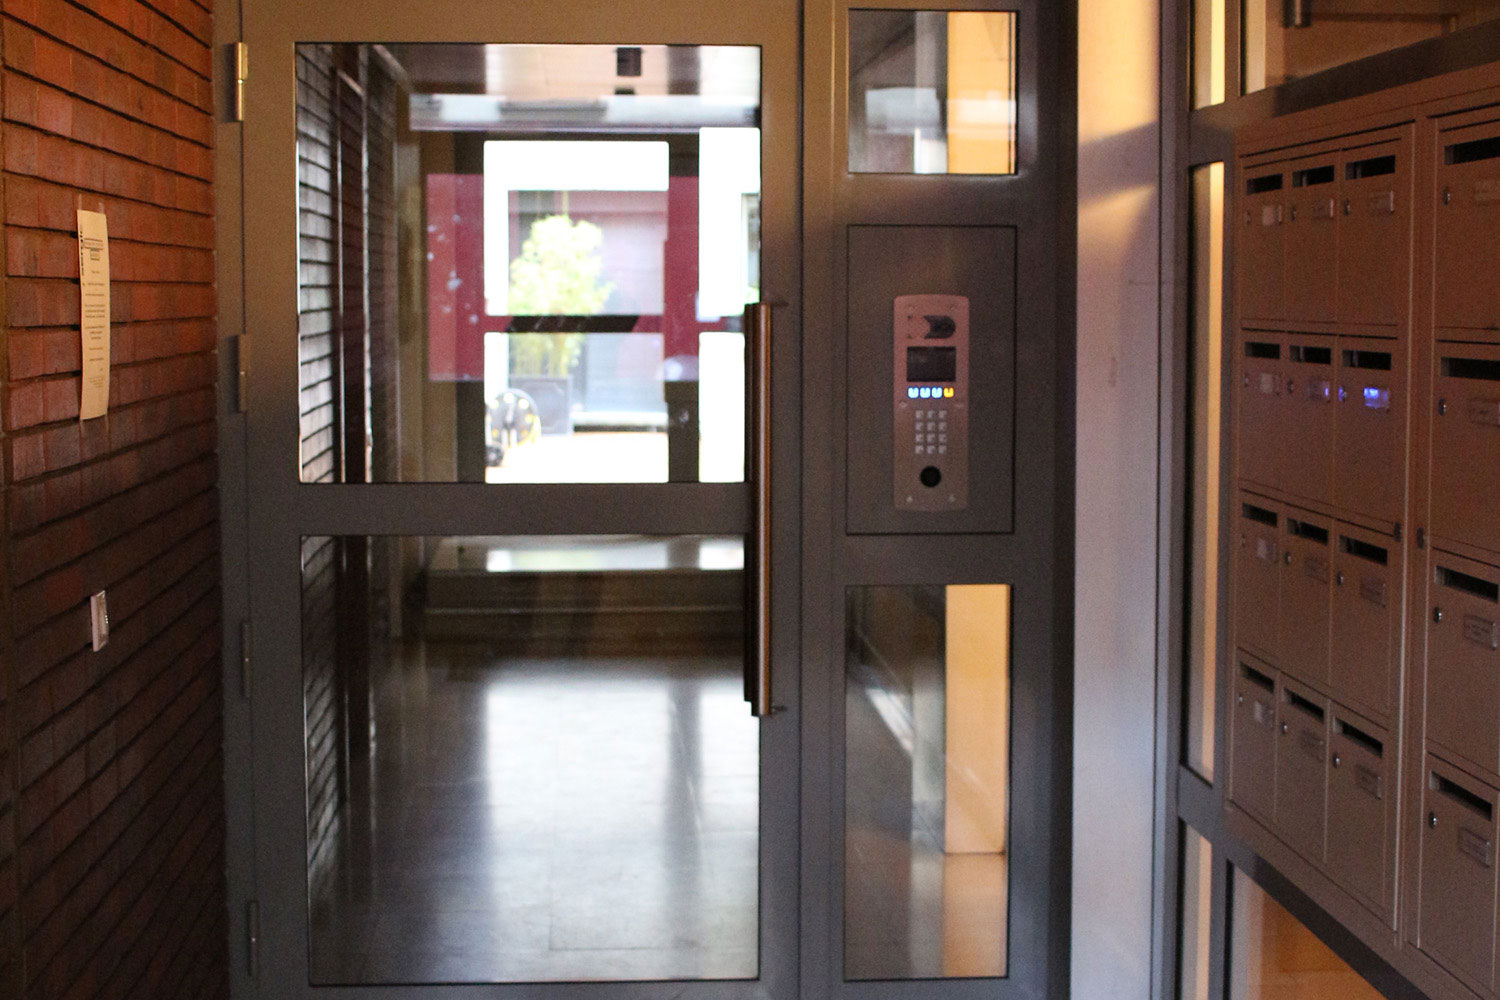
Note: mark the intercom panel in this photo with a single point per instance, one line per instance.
(930, 447)
(930, 390)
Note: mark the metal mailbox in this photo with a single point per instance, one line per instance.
(1466, 445)
(1457, 911)
(1463, 660)
(1312, 241)
(1302, 770)
(1366, 645)
(1258, 566)
(1369, 467)
(1258, 252)
(1306, 444)
(1306, 595)
(1262, 411)
(1375, 235)
(1361, 812)
(1252, 752)
(1467, 213)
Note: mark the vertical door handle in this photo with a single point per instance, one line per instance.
(758, 566)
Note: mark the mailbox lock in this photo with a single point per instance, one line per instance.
(1346, 206)
(1432, 820)
(1286, 557)
(1338, 578)
(1294, 213)
(1337, 760)
(1285, 729)
(1437, 615)
(1442, 407)
(1447, 196)
(1239, 699)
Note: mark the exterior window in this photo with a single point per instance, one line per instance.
(1288, 40)
(932, 92)
(1197, 914)
(1272, 955)
(1208, 52)
(1206, 312)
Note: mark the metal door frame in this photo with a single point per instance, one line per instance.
(263, 525)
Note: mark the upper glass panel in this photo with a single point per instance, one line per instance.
(1208, 52)
(525, 263)
(1285, 40)
(932, 92)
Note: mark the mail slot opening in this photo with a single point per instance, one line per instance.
(1311, 532)
(1364, 550)
(1374, 361)
(1304, 705)
(1259, 514)
(1260, 349)
(1375, 166)
(1471, 151)
(1312, 176)
(1359, 737)
(1472, 585)
(1472, 368)
(1458, 793)
(1303, 354)
(1257, 678)
(1263, 184)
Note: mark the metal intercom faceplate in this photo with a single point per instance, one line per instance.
(930, 443)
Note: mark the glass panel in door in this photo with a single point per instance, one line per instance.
(527, 758)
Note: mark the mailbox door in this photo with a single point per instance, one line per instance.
(1306, 596)
(1463, 660)
(1258, 253)
(1375, 235)
(1311, 255)
(1361, 818)
(1252, 768)
(1366, 619)
(1467, 228)
(1369, 462)
(1307, 435)
(1466, 445)
(1457, 914)
(1302, 771)
(1258, 565)
(1261, 411)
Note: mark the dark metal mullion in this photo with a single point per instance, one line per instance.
(433, 509)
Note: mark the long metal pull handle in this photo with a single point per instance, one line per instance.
(758, 568)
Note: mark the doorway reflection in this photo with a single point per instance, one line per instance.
(555, 777)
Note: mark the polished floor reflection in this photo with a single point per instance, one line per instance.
(546, 819)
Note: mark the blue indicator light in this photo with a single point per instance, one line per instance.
(911, 392)
(1377, 398)
(924, 392)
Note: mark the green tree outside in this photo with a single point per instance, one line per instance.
(557, 273)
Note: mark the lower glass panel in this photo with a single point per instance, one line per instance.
(1272, 955)
(1197, 915)
(927, 720)
(528, 759)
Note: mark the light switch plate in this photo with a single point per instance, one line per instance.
(99, 620)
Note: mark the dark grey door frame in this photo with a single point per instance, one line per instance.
(269, 866)
(1036, 557)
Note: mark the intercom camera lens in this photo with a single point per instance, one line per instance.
(930, 476)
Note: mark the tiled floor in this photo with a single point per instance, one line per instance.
(535, 820)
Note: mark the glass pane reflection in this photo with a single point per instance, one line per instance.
(927, 718)
(528, 759)
(932, 92)
(1272, 955)
(493, 233)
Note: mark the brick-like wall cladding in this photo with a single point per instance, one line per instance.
(111, 775)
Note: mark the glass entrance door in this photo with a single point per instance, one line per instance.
(512, 569)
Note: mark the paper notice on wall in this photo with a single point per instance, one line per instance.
(93, 274)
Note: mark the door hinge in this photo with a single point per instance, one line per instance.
(245, 659)
(239, 61)
(252, 938)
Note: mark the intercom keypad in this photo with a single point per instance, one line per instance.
(930, 459)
